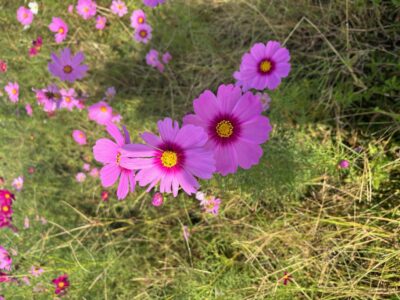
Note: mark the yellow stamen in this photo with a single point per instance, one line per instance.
(61, 284)
(140, 20)
(143, 33)
(67, 69)
(224, 129)
(103, 109)
(169, 159)
(5, 208)
(265, 66)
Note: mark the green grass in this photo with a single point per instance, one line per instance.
(335, 231)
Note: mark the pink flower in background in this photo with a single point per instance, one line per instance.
(152, 58)
(36, 271)
(160, 67)
(79, 137)
(172, 159)
(5, 259)
(265, 100)
(263, 67)
(28, 109)
(80, 177)
(157, 200)
(86, 8)
(12, 89)
(110, 93)
(105, 195)
(143, 33)
(68, 67)
(61, 284)
(211, 204)
(138, 18)
(26, 223)
(86, 167)
(100, 112)
(109, 153)
(200, 196)
(118, 7)
(153, 3)
(26, 280)
(166, 58)
(234, 125)
(71, 8)
(36, 47)
(94, 172)
(69, 100)
(3, 66)
(344, 164)
(101, 22)
(116, 118)
(58, 26)
(18, 183)
(6, 199)
(49, 98)
(24, 16)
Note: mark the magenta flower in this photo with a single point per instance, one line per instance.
(79, 137)
(100, 112)
(104, 196)
(80, 177)
(6, 199)
(138, 18)
(69, 100)
(28, 109)
(234, 125)
(58, 26)
(152, 58)
(153, 3)
(286, 278)
(68, 67)
(211, 204)
(143, 33)
(157, 200)
(36, 47)
(118, 7)
(12, 89)
(166, 58)
(61, 284)
(86, 8)
(5, 259)
(101, 22)
(344, 164)
(3, 66)
(18, 183)
(24, 16)
(263, 67)
(109, 153)
(36, 271)
(173, 159)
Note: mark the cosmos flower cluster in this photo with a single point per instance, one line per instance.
(6, 212)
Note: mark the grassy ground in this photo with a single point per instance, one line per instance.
(335, 231)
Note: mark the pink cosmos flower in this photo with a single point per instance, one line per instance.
(152, 58)
(61, 284)
(86, 8)
(157, 200)
(138, 18)
(49, 98)
(69, 100)
(79, 137)
(234, 125)
(153, 3)
(58, 26)
(344, 164)
(36, 271)
(80, 177)
(24, 16)
(211, 204)
(118, 7)
(5, 259)
(94, 172)
(86, 167)
(3, 66)
(143, 33)
(36, 47)
(173, 159)
(18, 183)
(101, 22)
(28, 109)
(109, 153)
(12, 89)
(100, 112)
(68, 67)
(6, 199)
(263, 67)
(166, 58)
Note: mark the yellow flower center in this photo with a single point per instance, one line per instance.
(141, 20)
(61, 284)
(7, 196)
(14, 91)
(25, 15)
(86, 9)
(61, 30)
(120, 6)
(143, 33)
(103, 109)
(224, 129)
(81, 136)
(68, 99)
(118, 158)
(5, 208)
(169, 159)
(67, 69)
(265, 66)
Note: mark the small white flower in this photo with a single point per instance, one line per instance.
(34, 7)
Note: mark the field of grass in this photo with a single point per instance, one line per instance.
(335, 231)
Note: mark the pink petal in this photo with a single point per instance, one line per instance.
(167, 129)
(105, 151)
(151, 139)
(226, 160)
(228, 96)
(281, 56)
(188, 183)
(201, 163)
(248, 154)
(283, 69)
(190, 136)
(258, 51)
(109, 174)
(132, 181)
(248, 107)
(113, 130)
(206, 106)
(272, 47)
(123, 186)
(273, 81)
(194, 120)
(137, 150)
(256, 131)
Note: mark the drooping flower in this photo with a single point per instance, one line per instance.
(58, 26)
(344, 164)
(100, 112)
(61, 283)
(263, 67)
(5, 259)
(80, 177)
(24, 16)
(28, 109)
(94, 172)
(166, 58)
(143, 33)
(109, 153)
(86, 8)
(138, 18)
(234, 125)
(101, 22)
(211, 204)
(157, 200)
(118, 7)
(34, 7)
(18, 183)
(152, 58)
(79, 137)
(36, 47)
(36, 271)
(153, 3)
(172, 159)
(265, 100)
(68, 67)
(12, 89)
(3, 66)
(69, 100)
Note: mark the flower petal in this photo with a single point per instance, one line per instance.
(113, 130)
(123, 186)
(105, 151)
(109, 174)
